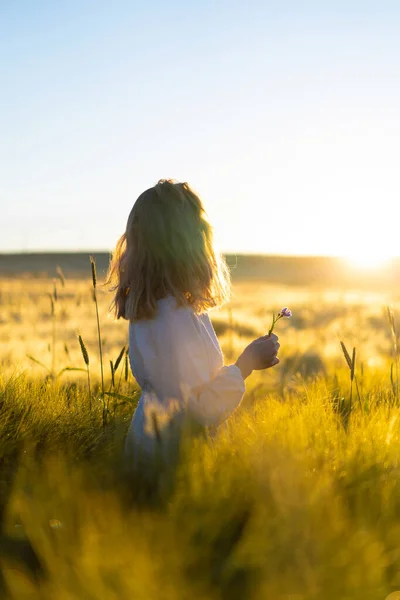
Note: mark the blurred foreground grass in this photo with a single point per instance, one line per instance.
(296, 497)
(284, 503)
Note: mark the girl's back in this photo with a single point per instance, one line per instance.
(177, 357)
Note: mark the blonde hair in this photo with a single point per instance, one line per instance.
(167, 249)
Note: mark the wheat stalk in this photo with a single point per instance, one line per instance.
(94, 281)
(112, 368)
(53, 300)
(117, 363)
(119, 358)
(61, 275)
(127, 364)
(83, 350)
(395, 384)
(86, 359)
(346, 355)
(94, 274)
(351, 363)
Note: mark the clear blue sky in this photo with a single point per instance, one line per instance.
(284, 116)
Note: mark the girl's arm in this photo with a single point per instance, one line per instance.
(178, 359)
(244, 365)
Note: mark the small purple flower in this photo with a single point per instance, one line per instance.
(285, 312)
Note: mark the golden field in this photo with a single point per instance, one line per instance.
(321, 318)
(298, 497)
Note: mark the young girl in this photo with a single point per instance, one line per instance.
(166, 274)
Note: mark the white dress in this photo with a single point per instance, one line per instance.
(177, 357)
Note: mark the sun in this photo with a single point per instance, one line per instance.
(368, 260)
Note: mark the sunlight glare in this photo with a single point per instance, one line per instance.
(368, 260)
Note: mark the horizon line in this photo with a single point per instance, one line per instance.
(228, 253)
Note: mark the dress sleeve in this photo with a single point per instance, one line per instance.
(183, 369)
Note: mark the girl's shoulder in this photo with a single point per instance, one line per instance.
(168, 308)
(169, 304)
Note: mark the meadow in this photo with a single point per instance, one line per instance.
(297, 497)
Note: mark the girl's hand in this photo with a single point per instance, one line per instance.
(260, 354)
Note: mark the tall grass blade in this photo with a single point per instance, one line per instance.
(122, 396)
(85, 355)
(51, 304)
(119, 358)
(70, 369)
(35, 360)
(126, 364)
(83, 350)
(346, 354)
(112, 373)
(353, 364)
(53, 299)
(61, 275)
(94, 281)
(94, 274)
(394, 378)
(393, 384)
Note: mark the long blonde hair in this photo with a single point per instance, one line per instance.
(167, 249)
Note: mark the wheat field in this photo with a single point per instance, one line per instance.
(296, 497)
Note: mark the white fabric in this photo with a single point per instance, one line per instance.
(177, 356)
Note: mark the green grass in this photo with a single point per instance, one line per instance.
(284, 503)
